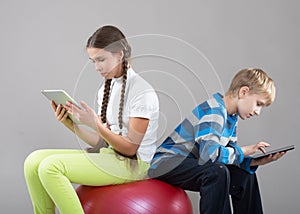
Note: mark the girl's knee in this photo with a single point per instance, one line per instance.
(33, 160)
(50, 166)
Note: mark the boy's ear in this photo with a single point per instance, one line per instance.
(243, 91)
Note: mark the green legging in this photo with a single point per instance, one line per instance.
(50, 173)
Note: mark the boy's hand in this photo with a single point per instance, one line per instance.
(251, 149)
(268, 159)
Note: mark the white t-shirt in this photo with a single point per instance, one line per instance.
(140, 101)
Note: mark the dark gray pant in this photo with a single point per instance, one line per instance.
(215, 182)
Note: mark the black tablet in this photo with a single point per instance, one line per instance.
(274, 151)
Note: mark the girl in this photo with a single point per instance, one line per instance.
(123, 136)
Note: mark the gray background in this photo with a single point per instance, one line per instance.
(42, 46)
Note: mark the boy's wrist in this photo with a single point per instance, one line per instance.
(253, 162)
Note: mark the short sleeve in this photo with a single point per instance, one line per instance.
(144, 104)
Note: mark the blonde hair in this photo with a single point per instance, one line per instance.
(256, 80)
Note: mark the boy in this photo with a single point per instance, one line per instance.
(202, 154)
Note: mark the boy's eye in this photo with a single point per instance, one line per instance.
(259, 104)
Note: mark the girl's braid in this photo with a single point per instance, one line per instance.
(105, 100)
(125, 67)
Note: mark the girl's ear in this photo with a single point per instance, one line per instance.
(121, 55)
(243, 91)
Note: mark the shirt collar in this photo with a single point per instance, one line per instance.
(219, 99)
(119, 79)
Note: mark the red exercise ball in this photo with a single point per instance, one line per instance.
(146, 197)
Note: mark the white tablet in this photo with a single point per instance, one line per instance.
(274, 151)
(60, 96)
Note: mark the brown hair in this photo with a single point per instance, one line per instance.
(111, 39)
(256, 80)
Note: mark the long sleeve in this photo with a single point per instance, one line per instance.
(213, 136)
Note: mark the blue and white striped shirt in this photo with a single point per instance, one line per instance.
(207, 134)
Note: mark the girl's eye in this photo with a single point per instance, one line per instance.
(99, 60)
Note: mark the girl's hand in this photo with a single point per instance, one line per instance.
(251, 149)
(85, 115)
(265, 160)
(61, 114)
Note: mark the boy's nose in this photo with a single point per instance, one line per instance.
(257, 112)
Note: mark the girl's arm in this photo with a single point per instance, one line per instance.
(61, 113)
(126, 145)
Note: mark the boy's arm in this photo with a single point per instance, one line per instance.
(246, 165)
(229, 154)
(213, 132)
(216, 147)
(212, 149)
(246, 162)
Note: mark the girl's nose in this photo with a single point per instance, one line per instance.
(98, 67)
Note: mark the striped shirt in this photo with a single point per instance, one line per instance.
(207, 134)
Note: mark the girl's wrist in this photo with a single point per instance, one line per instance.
(75, 126)
(99, 126)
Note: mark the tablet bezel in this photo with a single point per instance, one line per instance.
(273, 151)
(60, 96)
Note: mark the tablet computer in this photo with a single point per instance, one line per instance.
(60, 96)
(274, 151)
